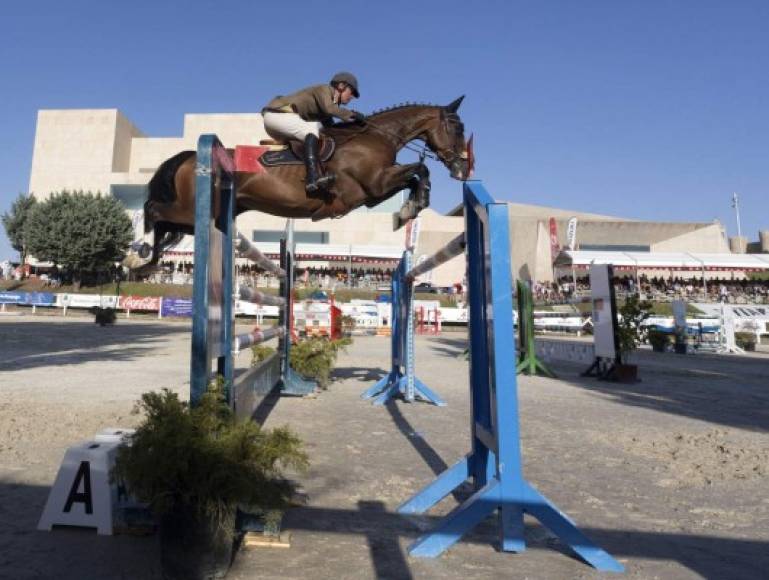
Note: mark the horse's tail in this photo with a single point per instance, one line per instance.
(161, 186)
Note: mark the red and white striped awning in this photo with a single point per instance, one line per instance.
(664, 261)
(388, 255)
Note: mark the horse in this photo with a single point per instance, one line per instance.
(363, 162)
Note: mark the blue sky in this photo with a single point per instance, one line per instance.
(645, 109)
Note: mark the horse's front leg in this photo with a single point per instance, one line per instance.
(419, 184)
(416, 178)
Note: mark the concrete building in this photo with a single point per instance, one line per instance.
(102, 151)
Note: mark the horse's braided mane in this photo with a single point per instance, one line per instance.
(342, 132)
(401, 106)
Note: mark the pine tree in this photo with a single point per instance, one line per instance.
(81, 233)
(14, 221)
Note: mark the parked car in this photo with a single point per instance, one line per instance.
(425, 288)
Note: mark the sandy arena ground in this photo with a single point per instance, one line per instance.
(670, 475)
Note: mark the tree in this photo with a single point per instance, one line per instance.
(81, 233)
(14, 221)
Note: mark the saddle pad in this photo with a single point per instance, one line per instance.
(293, 155)
(247, 158)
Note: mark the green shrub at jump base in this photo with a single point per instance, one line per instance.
(195, 467)
(314, 358)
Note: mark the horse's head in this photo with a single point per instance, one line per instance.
(446, 137)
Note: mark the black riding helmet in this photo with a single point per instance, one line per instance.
(348, 78)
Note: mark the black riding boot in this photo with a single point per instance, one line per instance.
(315, 181)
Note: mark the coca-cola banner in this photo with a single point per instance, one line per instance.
(147, 303)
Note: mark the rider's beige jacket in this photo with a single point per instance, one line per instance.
(311, 104)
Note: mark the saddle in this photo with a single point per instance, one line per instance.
(293, 153)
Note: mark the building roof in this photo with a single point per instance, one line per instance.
(664, 260)
(543, 212)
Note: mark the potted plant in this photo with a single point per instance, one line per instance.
(632, 313)
(658, 340)
(347, 325)
(680, 345)
(745, 340)
(195, 467)
(104, 316)
(314, 358)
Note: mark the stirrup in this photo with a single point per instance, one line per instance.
(322, 183)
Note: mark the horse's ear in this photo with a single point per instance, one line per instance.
(454, 105)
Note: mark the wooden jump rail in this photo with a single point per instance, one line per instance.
(446, 253)
(257, 297)
(246, 249)
(257, 336)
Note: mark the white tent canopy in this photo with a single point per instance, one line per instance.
(309, 252)
(663, 260)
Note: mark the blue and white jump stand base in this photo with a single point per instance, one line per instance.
(294, 385)
(397, 383)
(493, 466)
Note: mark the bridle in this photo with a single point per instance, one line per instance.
(446, 156)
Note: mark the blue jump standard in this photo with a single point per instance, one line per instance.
(494, 464)
(402, 381)
(213, 288)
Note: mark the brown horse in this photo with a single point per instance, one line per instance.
(363, 162)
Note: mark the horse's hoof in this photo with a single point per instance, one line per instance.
(145, 250)
(133, 262)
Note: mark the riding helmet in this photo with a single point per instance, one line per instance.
(349, 78)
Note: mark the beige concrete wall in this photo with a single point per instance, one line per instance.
(91, 149)
(763, 241)
(232, 129)
(125, 132)
(147, 153)
(707, 238)
(541, 212)
(738, 244)
(74, 149)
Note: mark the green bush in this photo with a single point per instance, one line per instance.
(314, 358)
(745, 340)
(659, 340)
(260, 352)
(202, 459)
(632, 313)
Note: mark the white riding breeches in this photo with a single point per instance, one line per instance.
(289, 126)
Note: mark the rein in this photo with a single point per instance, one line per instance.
(422, 150)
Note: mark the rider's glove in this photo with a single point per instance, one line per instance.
(358, 117)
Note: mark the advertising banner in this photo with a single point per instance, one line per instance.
(571, 233)
(679, 316)
(412, 233)
(603, 325)
(176, 307)
(28, 298)
(554, 247)
(85, 301)
(12, 297)
(144, 303)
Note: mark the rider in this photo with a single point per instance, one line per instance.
(299, 117)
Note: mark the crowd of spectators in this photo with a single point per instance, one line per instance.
(659, 289)
(564, 290)
(250, 274)
(324, 278)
